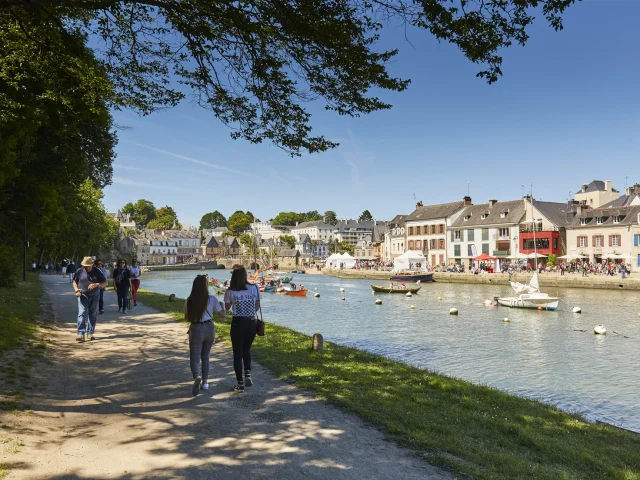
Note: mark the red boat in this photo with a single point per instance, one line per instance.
(297, 293)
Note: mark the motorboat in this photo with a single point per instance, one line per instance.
(392, 289)
(412, 276)
(296, 293)
(529, 296)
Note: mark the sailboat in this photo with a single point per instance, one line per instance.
(528, 295)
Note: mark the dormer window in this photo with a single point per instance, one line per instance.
(598, 220)
(484, 216)
(504, 213)
(584, 221)
(467, 217)
(618, 218)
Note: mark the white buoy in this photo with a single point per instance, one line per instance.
(439, 298)
(412, 307)
(577, 310)
(378, 302)
(341, 289)
(600, 330)
(453, 311)
(316, 288)
(317, 295)
(505, 319)
(487, 303)
(408, 294)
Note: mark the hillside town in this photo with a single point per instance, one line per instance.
(599, 224)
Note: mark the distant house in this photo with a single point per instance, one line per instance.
(364, 249)
(124, 220)
(216, 247)
(394, 238)
(597, 193)
(288, 258)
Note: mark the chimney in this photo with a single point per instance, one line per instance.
(608, 184)
(579, 209)
(419, 204)
(467, 201)
(492, 203)
(584, 187)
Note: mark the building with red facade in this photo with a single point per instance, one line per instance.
(545, 224)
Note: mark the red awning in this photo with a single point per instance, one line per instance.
(483, 257)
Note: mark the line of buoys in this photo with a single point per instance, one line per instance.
(505, 319)
(600, 330)
(317, 295)
(577, 310)
(408, 294)
(341, 289)
(412, 307)
(453, 311)
(378, 302)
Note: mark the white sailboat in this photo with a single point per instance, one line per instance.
(528, 295)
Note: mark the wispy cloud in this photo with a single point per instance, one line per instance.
(356, 159)
(124, 167)
(135, 183)
(193, 160)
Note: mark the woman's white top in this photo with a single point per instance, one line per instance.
(243, 302)
(135, 272)
(213, 305)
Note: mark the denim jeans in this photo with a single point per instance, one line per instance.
(201, 338)
(101, 303)
(87, 313)
(243, 332)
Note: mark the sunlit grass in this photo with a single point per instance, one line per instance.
(19, 308)
(469, 429)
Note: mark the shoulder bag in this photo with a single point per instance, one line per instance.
(259, 321)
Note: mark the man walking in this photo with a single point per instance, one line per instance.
(86, 283)
(71, 270)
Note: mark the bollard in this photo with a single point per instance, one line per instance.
(172, 297)
(318, 343)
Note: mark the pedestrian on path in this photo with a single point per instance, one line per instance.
(122, 285)
(100, 267)
(244, 300)
(198, 311)
(135, 270)
(71, 270)
(85, 282)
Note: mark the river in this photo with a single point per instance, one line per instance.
(538, 354)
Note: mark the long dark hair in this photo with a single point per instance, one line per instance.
(197, 301)
(238, 278)
(122, 260)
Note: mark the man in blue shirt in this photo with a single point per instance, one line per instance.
(86, 283)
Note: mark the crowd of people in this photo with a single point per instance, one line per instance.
(583, 268)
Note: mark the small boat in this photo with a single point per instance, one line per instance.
(412, 277)
(529, 296)
(268, 288)
(390, 289)
(296, 293)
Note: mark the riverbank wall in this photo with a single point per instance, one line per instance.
(551, 280)
(182, 266)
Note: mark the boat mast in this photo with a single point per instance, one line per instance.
(533, 225)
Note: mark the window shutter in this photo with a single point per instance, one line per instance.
(636, 240)
(619, 240)
(578, 238)
(586, 241)
(452, 235)
(593, 240)
(610, 240)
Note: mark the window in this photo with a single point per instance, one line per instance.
(555, 243)
(418, 245)
(441, 228)
(617, 218)
(598, 241)
(457, 235)
(583, 221)
(485, 235)
(467, 217)
(484, 216)
(598, 220)
(503, 232)
(582, 241)
(614, 240)
(541, 243)
(456, 250)
(433, 229)
(410, 243)
(469, 250)
(410, 230)
(470, 235)
(441, 244)
(485, 248)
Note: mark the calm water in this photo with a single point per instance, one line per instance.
(537, 355)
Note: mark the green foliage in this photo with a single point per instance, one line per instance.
(10, 266)
(473, 430)
(142, 212)
(330, 217)
(552, 259)
(245, 239)
(19, 309)
(288, 219)
(161, 223)
(344, 247)
(212, 220)
(289, 240)
(366, 216)
(166, 211)
(239, 222)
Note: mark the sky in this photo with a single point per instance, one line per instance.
(565, 112)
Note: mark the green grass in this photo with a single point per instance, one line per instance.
(19, 309)
(4, 470)
(472, 430)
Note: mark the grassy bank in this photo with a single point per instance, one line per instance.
(19, 308)
(469, 429)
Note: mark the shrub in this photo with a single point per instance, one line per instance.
(9, 266)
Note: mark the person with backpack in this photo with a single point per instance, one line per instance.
(198, 311)
(87, 281)
(122, 284)
(71, 271)
(244, 300)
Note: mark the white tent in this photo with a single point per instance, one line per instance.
(409, 260)
(347, 261)
(334, 261)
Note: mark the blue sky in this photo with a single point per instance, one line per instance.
(566, 111)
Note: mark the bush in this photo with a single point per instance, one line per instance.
(9, 266)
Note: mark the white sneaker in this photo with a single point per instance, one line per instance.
(205, 386)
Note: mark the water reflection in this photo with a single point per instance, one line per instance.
(541, 355)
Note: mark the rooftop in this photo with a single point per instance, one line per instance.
(513, 211)
(430, 212)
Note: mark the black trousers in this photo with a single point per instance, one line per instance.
(243, 332)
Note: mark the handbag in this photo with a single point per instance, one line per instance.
(259, 321)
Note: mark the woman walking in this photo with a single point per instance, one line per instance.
(100, 267)
(136, 271)
(198, 311)
(122, 284)
(244, 299)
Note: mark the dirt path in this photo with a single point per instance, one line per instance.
(121, 407)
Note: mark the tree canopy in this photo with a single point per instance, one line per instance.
(330, 217)
(290, 219)
(213, 220)
(239, 222)
(289, 240)
(142, 212)
(255, 64)
(366, 216)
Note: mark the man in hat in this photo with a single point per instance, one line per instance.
(86, 283)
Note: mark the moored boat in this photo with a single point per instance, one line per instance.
(529, 296)
(391, 289)
(296, 293)
(422, 277)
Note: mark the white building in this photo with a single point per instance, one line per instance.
(315, 248)
(352, 231)
(597, 193)
(490, 228)
(317, 230)
(162, 250)
(395, 238)
(265, 231)
(426, 229)
(187, 243)
(124, 220)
